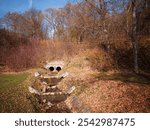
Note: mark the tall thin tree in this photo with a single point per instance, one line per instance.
(134, 34)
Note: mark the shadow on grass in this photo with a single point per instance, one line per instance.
(128, 78)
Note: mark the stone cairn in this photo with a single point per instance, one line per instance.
(45, 85)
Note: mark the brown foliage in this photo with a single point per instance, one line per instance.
(35, 53)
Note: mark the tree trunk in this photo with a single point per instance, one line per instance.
(134, 36)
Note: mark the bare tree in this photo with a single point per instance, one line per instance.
(28, 23)
(133, 34)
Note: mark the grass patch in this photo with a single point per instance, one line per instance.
(14, 94)
(131, 78)
(12, 80)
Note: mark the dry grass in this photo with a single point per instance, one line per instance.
(99, 92)
(100, 59)
(36, 53)
(14, 95)
(110, 92)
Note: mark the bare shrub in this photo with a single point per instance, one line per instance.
(21, 57)
(100, 60)
(36, 53)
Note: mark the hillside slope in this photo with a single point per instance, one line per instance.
(96, 91)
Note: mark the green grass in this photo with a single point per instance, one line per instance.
(14, 94)
(129, 78)
(12, 80)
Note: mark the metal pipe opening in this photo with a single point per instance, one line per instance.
(51, 68)
(58, 68)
